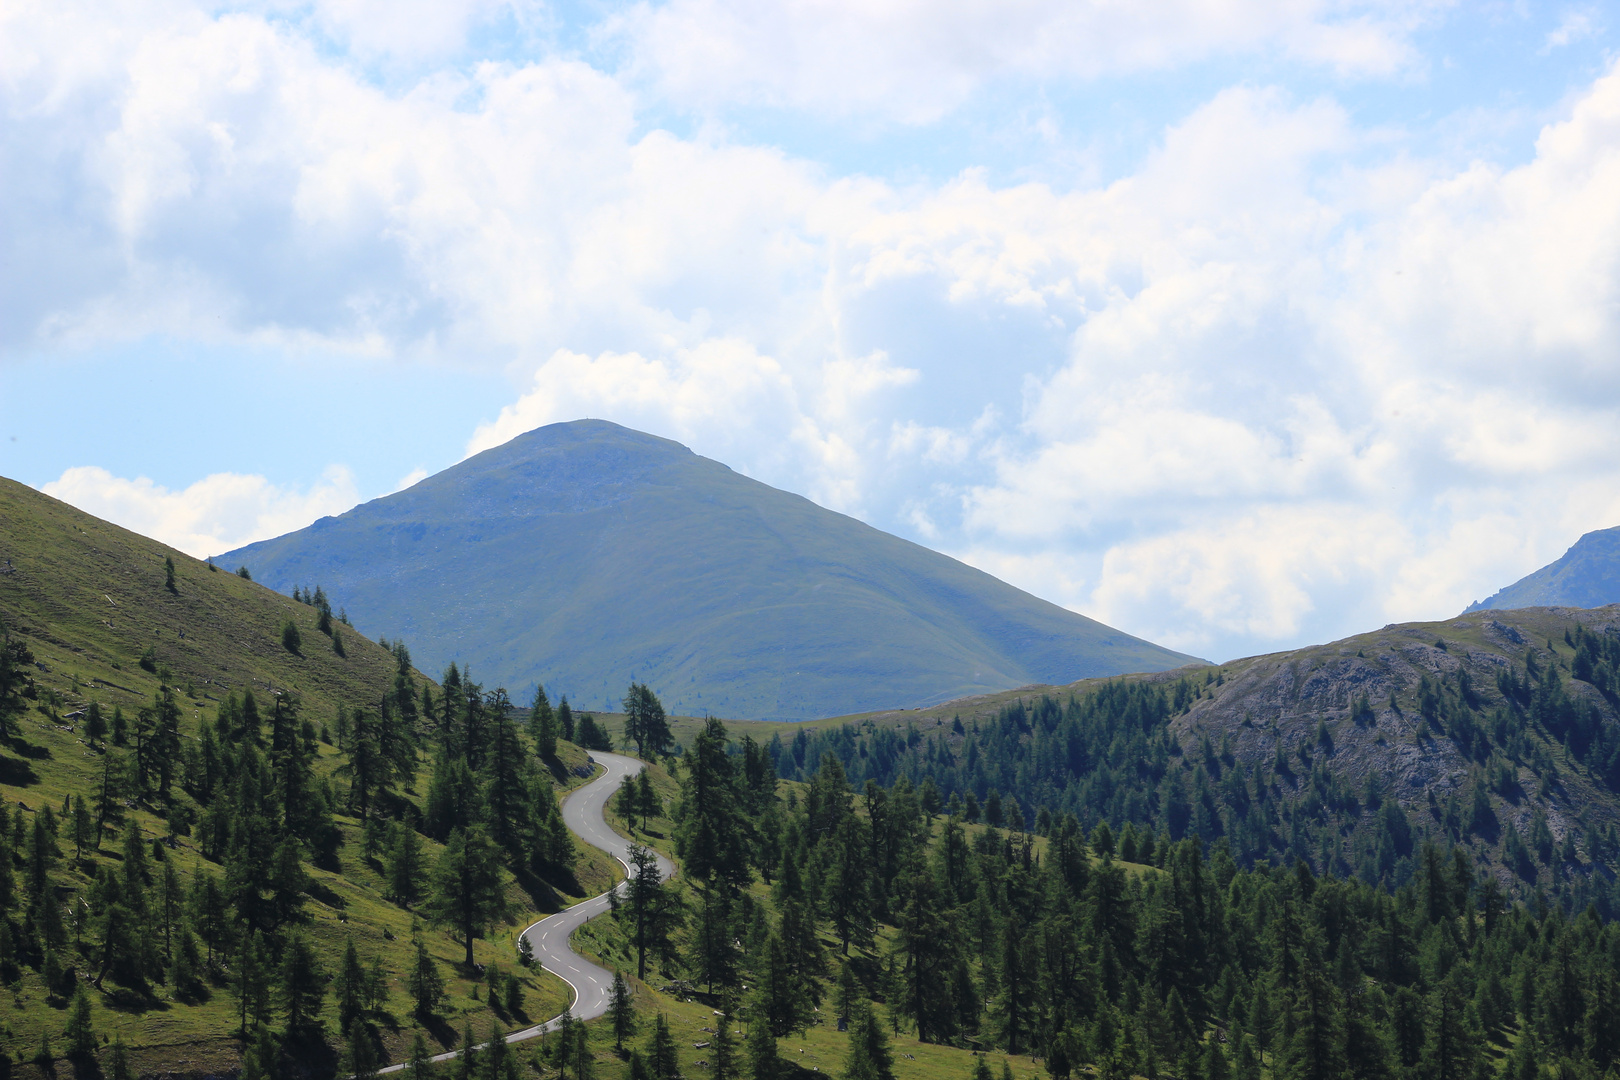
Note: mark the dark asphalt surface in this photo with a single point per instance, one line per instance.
(582, 813)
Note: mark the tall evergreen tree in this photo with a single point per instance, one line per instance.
(424, 982)
(301, 986)
(621, 1011)
(543, 725)
(468, 893)
(661, 1058)
(869, 1056)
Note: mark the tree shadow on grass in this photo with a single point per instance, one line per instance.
(542, 894)
(16, 772)
(127, 999)
(441, 1031)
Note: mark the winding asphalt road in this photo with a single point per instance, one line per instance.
(582, 813)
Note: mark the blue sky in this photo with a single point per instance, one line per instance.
(1235, 325)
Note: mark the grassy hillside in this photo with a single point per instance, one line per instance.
(89, 601)
(585, 555)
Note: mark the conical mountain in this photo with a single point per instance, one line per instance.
(584, 555)
(1587, 576)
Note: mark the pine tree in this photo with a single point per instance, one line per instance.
(763, 1063)
(869, 1056)
(350, 988)
(95, 724)
(543, 725)
(645, 723)
(84, 828)
(420, 1065)
(583, 1060)
(425, 983)
(467, 889)
(360, 1059)
(405, 865)
(648, 804)
(467, 1061)
(118, 1061)
(650, 907)
(81, 1033)
(723, 1051)
(621, 1011)
(302, 985)
(498, 1063)
(263, 1058)
(661, 1059)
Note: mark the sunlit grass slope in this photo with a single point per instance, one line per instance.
(89, 599)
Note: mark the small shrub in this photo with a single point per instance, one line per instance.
(149, 660)
(242, 572)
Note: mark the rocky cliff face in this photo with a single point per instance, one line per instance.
(1481, 728)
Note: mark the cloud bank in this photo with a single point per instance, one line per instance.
(1286, 378)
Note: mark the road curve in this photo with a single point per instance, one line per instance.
(582, 813)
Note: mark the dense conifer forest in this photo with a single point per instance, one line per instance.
(1112, 753)
(821, 902)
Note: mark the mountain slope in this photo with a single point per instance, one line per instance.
(88, 601)
(1588, 575)
(583, 555)
(1498, 732)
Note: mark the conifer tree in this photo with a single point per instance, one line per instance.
(621, 1011)
(95, 724)
(405, 864)
(250, 983)
(118, 1061)
(467, 887)
(723, 1051)
(349, 988)
(565, 720)
(301, 986)
(81, 1034)
(652, 910)
(763, 1063)
(424, 982)
(543, 725)
(467, 1062)
(84, 827)
(420, 1065)
(661, 1058)
(498, 1063)
(360, 1058)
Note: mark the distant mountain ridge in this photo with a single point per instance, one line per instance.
(1587, 576)
(584, 554)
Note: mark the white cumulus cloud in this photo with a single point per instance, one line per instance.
(218, 513)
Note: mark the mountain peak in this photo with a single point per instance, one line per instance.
(585, 554)
(1588, 575)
